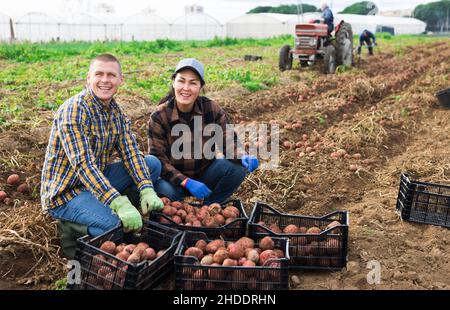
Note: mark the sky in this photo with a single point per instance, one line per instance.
(222, 9)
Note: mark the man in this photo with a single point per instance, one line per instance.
(366, 37)
(327, 16)
(80, 186)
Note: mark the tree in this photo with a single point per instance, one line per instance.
(435, 14)
(284, 9)
(361, 8)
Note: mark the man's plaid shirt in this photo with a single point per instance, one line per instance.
(83, 138)
(160, 140)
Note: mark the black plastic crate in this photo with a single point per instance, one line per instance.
(422, 202)
(326, 250)
(444, 97)
(235, 229)
(190, 275)
(103, 271)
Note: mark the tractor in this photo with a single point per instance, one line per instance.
(312, 44)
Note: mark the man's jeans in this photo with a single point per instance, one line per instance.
(86, 209)
(222, 177)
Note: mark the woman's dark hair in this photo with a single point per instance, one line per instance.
(171, 93)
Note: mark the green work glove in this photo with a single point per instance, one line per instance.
(130, 217)
(150, 201)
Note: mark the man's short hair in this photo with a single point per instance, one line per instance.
(106, 58)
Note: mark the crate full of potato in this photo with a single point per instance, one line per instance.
(123, 261)
(314, 242)
(228, 220)
(238, 264)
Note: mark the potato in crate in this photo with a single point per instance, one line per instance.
(228, 220)
(242, 264)
(121, 261)
(314, 242)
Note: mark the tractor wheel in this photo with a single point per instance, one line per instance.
(329, 60)
(344, 45)
(285, 61)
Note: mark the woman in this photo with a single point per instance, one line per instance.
(213, 179)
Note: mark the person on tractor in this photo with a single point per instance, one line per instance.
(217, 171)
(368, 38)
(327, 16)
(81, 186)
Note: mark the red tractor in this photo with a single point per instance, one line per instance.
(312, 44)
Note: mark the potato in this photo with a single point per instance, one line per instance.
(231, 212)
(313, 230)
(215, 273)
(265, 256)
(190, 218)
(139, 251)
(259, 229)
(229, 220)
(161, 253)
(332, 225)
(134, 258)
(228, 262)
(120, 247)
(182, 214)
(314, 248)
(248, 263)
(102, 273)
(97, 261)
(13, 179)
(193, 251)
(219, 219)
(214, 209)
(241, 261)
(123, 255)
(207, 260)
(177, 219)
(213, 246)
(201, 244)
(246, 242)
(210, 222)
(266, 243)
(189, 209)
(23, 188)
(280, 253)
(130, 248)
(302, 230)
(143, 245)
(332, 246)
(197, 223)
(170, 211)
(291, 229)
(163, 220)
(202, 215)
(177, 205)
(108, 247)
(253, 256)
(166, 201)
(3, 195)
(220, 256)
(235, 251)
(151, 253)
(275, 228)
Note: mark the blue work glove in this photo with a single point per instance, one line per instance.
(198, 189)
(250, 162)
(150, 201)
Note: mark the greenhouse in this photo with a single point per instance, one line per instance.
(82, 27)
(36, 27)
(145, 27)
(196, 26)
(5, 29)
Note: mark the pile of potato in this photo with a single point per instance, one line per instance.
(314, 245)
(13, 181)
(107, 271)
(212, 216)
(241, 253)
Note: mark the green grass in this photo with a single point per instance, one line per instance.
(40, 77)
